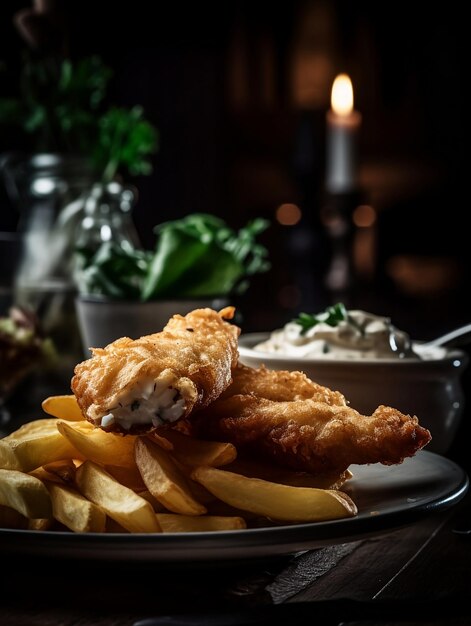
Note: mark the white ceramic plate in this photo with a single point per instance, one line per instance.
(387, 498)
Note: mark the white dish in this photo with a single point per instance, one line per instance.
(248, 341)
(387, 498)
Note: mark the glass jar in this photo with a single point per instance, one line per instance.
(48, 193)
(107, 216)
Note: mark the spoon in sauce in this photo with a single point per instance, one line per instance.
(457, 338)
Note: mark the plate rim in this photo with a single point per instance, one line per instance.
(222, 544)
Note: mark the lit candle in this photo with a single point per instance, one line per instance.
(343, 123)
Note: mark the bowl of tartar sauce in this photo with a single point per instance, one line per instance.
(370, 361)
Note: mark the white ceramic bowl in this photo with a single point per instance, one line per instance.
(103, 320)
(430, 389)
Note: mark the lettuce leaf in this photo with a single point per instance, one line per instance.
(197, 256)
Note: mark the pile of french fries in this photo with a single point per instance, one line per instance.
(62, 473)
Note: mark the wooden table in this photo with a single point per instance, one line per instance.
(420, 574)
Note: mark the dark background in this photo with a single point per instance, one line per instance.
(239, 92)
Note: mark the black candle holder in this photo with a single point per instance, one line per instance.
(336, 215)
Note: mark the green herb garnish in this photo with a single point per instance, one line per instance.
(332, 316)
(197, 256)
(62, 107)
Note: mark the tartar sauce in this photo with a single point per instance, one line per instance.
(360, 335)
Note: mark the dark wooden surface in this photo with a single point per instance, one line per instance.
(426, 564)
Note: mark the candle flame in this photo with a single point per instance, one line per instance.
(342, 95)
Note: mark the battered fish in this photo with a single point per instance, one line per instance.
(138, 385)
(296, 423)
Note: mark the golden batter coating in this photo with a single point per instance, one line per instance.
(270, 413)
(279, 385)
(139, 385)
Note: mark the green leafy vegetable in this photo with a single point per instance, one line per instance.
(125, 139)
(61, 107)
(113, 270)
(197, 256)
(332, 316)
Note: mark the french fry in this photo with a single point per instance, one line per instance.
(162, 441)
(199, 493)
(74, 511)
(127, 476)
(41, 474)
(24, 494)
(127, 508)
(164, 479)
(171, 523)
(32, 450)
(113, 527)
(40, 524)
(271, 472)
(273, 500)
(8, 458)
(64, 470)
(156, 505)
(222, 509)
(198, 452)
(35, 428)
(63, 407)
(98, 445)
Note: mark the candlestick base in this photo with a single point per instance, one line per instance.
(337, 218)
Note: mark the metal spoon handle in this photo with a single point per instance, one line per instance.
(455, 338)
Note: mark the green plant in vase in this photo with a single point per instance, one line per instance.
(63, 108)
(79, 148)
(74, 133)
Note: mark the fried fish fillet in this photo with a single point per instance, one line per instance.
(139, 385)
(296, 423)
(279, 386)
